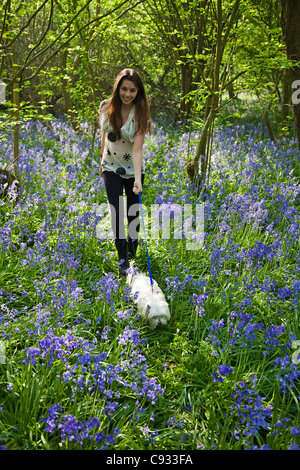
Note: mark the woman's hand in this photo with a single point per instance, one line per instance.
(137, 158)
(137, 187)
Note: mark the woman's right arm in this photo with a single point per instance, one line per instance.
(102, 151)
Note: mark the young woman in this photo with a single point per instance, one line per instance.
(124, 120)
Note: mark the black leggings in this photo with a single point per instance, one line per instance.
(114, 185)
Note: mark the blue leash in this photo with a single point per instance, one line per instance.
(151, 280)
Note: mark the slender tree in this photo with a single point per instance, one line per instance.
(216, 81)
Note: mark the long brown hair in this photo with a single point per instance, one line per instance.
(142, 111)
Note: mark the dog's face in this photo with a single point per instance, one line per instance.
(157, 315)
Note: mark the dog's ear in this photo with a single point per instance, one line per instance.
(164, 309)
(145, 310)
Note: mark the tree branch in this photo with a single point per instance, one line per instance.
(66, 42)
(9, 44)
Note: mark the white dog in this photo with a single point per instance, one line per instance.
(150, 300)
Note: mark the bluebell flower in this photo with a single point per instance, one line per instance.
(149, 434)
(295, 430)
(31, 353)
(263, 447)
(288, 372)
(75, 430)
(1, 446)
(174, 423)
(284, 293)
(222, 371)
(106, 329)
(253, 414)
(280, 424)
(293, 446)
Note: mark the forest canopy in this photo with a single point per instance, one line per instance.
(61, 57)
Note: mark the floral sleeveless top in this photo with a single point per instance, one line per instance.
(117, 154)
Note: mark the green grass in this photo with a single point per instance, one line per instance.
(161, 389)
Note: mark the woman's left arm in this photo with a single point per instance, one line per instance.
(137, 159)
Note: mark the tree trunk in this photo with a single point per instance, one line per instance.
(203, 151)
(286, 100)
(65, 92)
(290, 24)
(16, 118)
(186, 87)
(211, 104)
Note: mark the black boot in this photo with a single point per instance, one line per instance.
(132, 247)
(122, 248)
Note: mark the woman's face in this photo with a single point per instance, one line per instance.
(127, 92)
